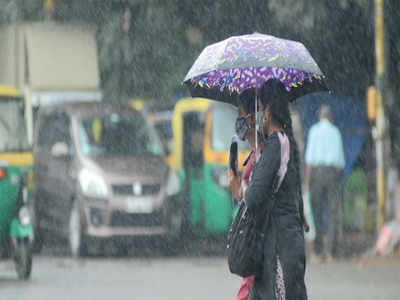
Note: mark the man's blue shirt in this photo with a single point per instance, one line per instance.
(325, 146)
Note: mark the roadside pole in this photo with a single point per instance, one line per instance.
(380, 112)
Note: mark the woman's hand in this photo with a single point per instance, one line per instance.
(234, 183)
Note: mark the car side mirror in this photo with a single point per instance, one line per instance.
(60, 150)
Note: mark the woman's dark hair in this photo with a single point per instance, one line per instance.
(274, 94)
(247, 100)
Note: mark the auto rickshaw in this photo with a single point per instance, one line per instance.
(16, 160)
(202, 131)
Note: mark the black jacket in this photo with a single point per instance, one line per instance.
(284, 235)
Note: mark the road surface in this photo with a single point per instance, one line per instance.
(207, 277)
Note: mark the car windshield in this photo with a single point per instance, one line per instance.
(223, 128)
(13, 135)
(117, 134)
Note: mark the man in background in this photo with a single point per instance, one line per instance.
(325, 162)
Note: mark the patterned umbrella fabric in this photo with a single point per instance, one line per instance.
(231, 66)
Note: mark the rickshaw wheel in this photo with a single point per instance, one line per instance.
(76, 240)
(23, 260)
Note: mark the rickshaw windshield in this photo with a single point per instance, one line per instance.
(13, 135)
(117, 134)
(223, 128)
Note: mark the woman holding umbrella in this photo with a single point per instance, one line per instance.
(282, 275)
(272, 96)
(278, 71)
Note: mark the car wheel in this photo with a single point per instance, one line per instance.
(175, 239)
(76, 239)
(176, 224)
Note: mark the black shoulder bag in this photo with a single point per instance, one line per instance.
(245, 245)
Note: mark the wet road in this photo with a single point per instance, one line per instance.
(185, 278)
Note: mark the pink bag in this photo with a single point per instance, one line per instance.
(245, 288)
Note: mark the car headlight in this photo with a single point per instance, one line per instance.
(92, 184)
(173, 184)
(24, 216)
(220, 176)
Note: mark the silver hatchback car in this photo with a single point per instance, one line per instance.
(100, 173)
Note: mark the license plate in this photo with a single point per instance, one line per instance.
(139, 206)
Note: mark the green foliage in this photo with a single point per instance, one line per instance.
(355, 200)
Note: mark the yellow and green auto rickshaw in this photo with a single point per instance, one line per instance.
(202, 131)
(16, 231)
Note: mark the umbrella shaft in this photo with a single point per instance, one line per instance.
(255, 109)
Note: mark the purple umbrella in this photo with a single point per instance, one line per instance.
(227, 68)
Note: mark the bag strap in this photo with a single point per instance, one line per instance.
(281, 173)
(285, 156)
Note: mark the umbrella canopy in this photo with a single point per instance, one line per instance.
(227, 68)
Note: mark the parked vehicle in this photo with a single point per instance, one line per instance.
(202, 131)
(100, 174)
(16, 231)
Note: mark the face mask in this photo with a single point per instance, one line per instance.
(241, 128)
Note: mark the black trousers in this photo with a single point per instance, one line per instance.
(325, 196)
